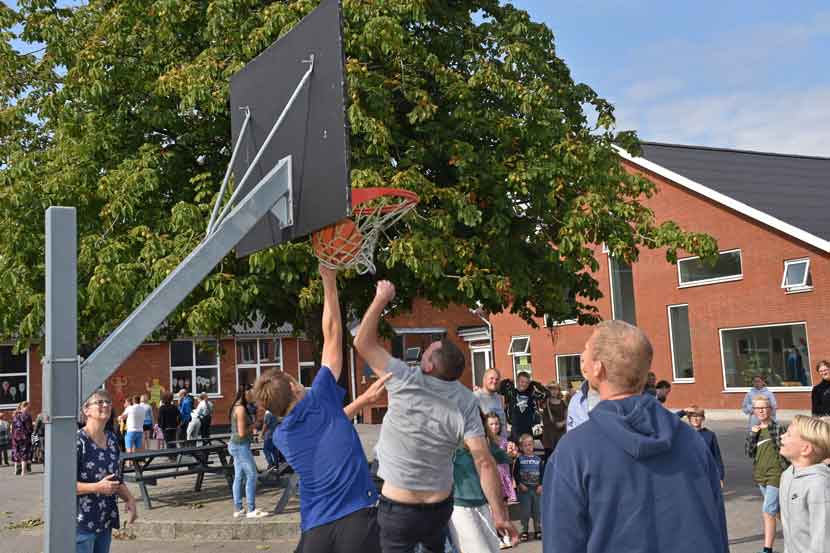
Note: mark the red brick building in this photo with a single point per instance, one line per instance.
(219, 366)
(763, 308)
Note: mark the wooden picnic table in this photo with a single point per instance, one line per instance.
(147, 467)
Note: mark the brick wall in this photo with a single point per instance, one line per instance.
(756, 299)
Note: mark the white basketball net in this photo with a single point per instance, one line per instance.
(355, 250)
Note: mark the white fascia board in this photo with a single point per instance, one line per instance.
(727, 201)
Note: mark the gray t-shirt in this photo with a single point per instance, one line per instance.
(426, 421)
(492, 403)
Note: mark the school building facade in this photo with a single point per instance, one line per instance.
(762, 309)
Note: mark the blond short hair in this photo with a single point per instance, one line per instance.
(765, 399)
(625, 352)
(816, 432)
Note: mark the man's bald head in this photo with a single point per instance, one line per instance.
(624, 351)
(490, 381)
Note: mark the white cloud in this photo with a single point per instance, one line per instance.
(786, 121)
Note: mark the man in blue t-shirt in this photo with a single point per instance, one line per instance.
(319, 441)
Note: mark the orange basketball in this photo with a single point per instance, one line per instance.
(337, 244)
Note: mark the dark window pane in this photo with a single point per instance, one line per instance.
(696, 270)
(778, 353)
(181, 354)
(206, 353)
(13, 389)
(622, 291)
(397, 346)
(10, 362)
(207, 381)
(567, 370)
(246, 351)
(182, 381)
(246, 376)
(681, 341)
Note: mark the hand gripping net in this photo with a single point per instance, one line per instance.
(350, 244)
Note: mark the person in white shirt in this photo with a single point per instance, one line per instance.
(134, 416)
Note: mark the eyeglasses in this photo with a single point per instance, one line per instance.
(100, 403)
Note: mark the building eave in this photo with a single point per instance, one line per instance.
(727, 201)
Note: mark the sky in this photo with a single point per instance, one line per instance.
(727, 73)
(738, 74)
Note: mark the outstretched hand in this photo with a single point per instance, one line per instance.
(327, 273)
(373, 394)
(385, 291)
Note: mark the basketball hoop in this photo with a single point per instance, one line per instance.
(350, 244)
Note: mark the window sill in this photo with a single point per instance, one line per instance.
(683, 381)
(711, 281)
(799, 290)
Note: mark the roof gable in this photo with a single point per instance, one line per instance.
(789, 193)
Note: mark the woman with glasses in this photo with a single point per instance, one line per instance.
(99, 479)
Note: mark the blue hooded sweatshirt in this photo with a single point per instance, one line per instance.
(633, 478)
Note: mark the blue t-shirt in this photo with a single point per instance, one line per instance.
(185, 408)
(528, 470)
(322, 446)
(97, 513)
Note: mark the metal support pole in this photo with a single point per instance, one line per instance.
(60, 380)
(224, 186)
(174, 289)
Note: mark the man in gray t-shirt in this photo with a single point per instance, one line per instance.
(491, 400)
(430, 415)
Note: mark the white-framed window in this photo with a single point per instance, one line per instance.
(482, 361)
(568, 372)
(305, 361)
(693, 271)
(778, 352)
(519, 350)
(797, 277)
(255, 355)
(412, 355)
(14, 377)
(550, 322)
(194, 366)
(621, 281)
(680, 338)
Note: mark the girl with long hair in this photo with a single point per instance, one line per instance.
(244, 467)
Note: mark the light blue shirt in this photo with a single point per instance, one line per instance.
(578, 408)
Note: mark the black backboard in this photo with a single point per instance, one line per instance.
(314, 132)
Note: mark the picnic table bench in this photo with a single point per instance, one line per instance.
(149, 466)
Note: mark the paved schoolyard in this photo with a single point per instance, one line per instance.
(20, 502)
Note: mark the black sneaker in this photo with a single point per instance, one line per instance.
(524, 536)
(538, 535)
(16, 469)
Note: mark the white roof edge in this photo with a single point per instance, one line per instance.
(732, 203)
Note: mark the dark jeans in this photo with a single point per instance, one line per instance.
(170, 436)
(354, 533)
(204, 431)
(4, 452)
(529, 508)
(403, 526)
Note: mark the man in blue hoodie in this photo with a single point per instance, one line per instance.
(633, 477)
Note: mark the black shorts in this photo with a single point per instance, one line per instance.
(354, 533)
(148, 427)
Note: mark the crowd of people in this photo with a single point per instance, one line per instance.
(617, 470)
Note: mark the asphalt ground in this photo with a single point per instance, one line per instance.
(20, 503)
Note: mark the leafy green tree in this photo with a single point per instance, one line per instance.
(123, 112)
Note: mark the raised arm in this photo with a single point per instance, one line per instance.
(491, 485)
(366, 342)
(332, 324)
(369, 397)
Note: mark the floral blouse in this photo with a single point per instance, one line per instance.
(97, 513)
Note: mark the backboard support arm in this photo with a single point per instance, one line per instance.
(162, 301)
(264, 146)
